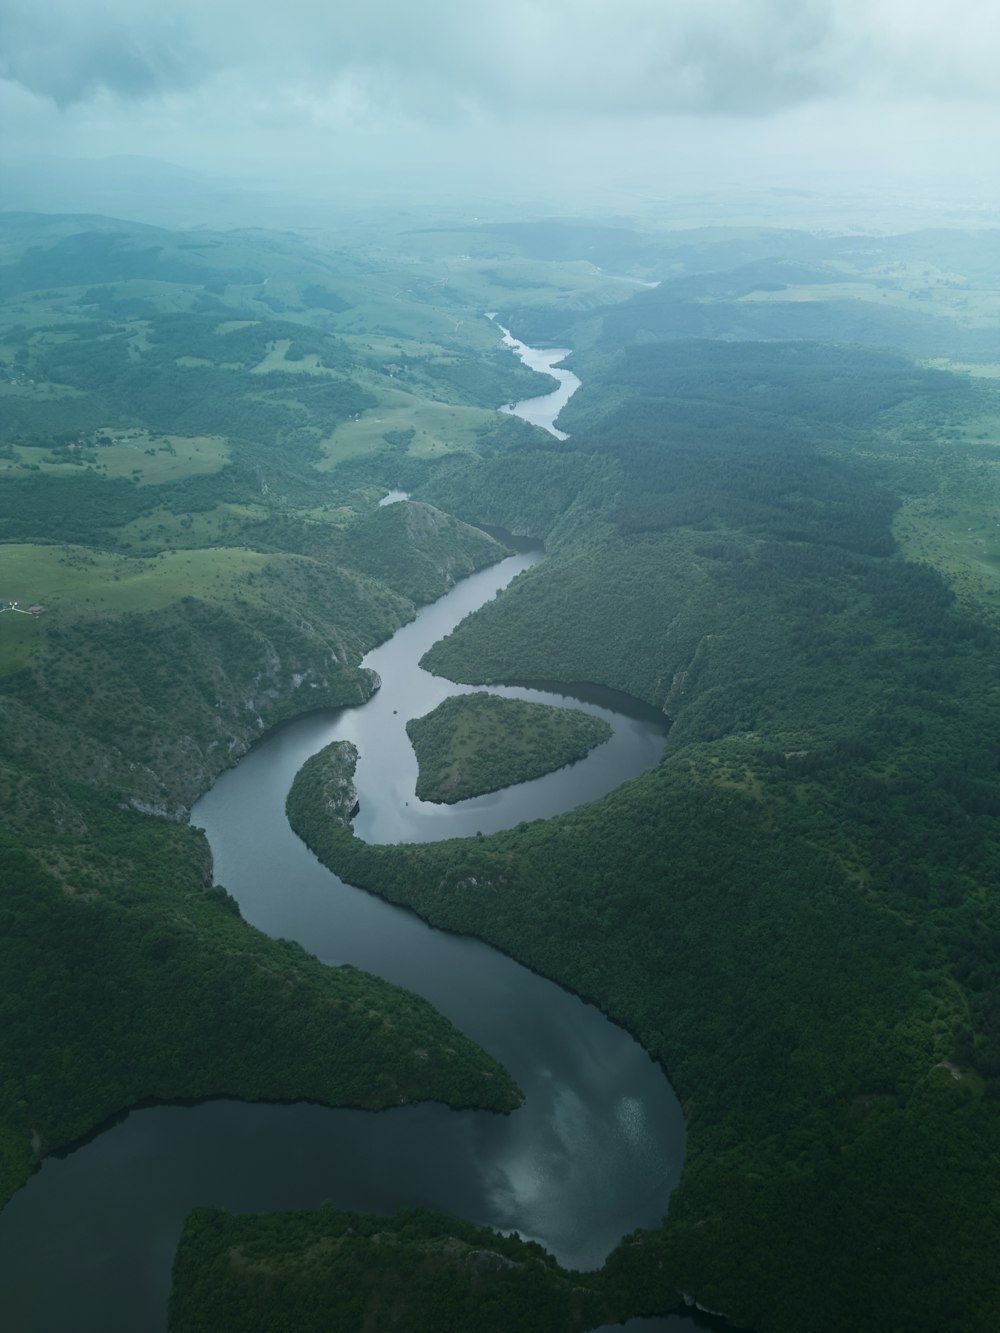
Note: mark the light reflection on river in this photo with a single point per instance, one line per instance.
(591, 1155)
(597, 1110)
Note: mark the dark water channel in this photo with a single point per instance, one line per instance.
(592, 1154)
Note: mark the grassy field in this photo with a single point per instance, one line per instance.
(276, 359)
(577, 285)
(437, 427)
(918, 288)
(975, 308)
(38, 392)
(390, 348)
(150, 460)
(71, 578)
(961, 539)
(153, 460)
(979, 370)
(445, 294)
(950, 507)
(161, 528)
(79, 581)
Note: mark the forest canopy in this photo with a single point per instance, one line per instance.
(476, 743)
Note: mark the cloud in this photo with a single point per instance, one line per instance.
(449, 58)
(70, 53)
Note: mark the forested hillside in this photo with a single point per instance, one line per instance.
(196, 579)
(795, 911)
(774, 519)
(415, 1271)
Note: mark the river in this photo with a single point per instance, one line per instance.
(592, 1154)
(543, 410)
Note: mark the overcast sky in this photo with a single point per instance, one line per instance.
(717, 87)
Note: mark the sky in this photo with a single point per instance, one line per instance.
(665, 94)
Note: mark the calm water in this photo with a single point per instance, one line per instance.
(542, 411)
(591, 1155)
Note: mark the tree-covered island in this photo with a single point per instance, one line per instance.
(476, 743)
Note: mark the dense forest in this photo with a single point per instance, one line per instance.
(327, 1269)
(774, 520)
(828, 792)
(190, 601)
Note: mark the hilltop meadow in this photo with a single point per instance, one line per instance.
(774, 519)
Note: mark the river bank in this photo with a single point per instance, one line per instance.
(592, 1155)
(543, 410)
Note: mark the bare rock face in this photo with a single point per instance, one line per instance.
(340, 796)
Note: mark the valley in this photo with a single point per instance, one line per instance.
(768, 520)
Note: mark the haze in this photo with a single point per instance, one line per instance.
(885, 109)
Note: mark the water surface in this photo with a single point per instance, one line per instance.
(592, 1154)
(542, 410)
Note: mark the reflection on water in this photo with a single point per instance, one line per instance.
(591, 1155)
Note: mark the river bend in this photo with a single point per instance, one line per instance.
(591, 1155)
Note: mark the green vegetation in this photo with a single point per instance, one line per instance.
(123, 979)
(327, 1269)
(415, 549)
(139, 457)
(476, 743)
(145, 707)
(794, 912)
(201, 581)
(68, 577)
(326, 782)
(769, 520)
(126, 976)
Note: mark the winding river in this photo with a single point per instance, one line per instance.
(541, 411)
(592, 1154)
